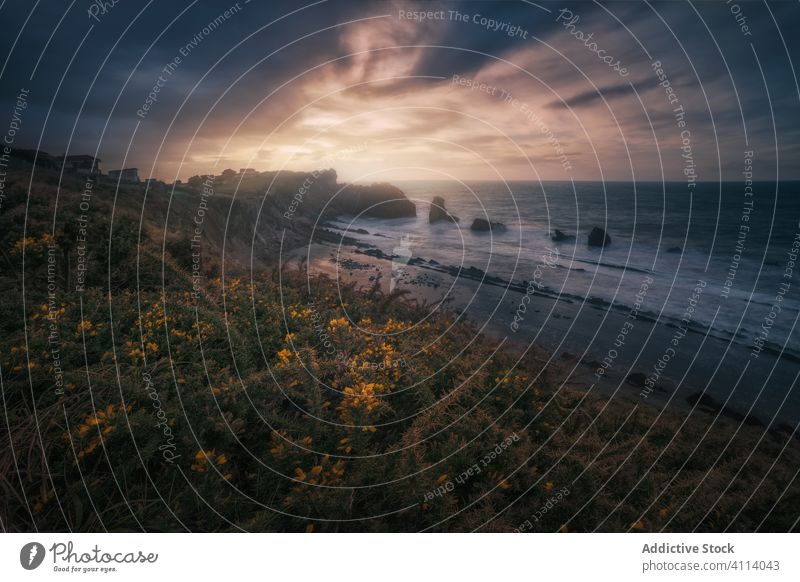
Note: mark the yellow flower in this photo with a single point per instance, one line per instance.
(201, 455)
(340, 322)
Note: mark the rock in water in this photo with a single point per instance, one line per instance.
(483, 225)
(559, 236)
(598, 238)
(439, 212)
(480, 224)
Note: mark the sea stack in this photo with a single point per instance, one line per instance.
(439, 212)
(598, 238)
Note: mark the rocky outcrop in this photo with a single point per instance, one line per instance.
(559, 236)
(483, 225)
(287, 217)
(598, 238)
(380, 200)
(439, 212)
(316, 193)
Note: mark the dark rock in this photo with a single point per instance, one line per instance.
(559, 236)
(480, 224)
(703, 399)
(598, 238)
(380, 200)
(598, 301)
(674, 250)
(637, 379)
(483, 225)
(438, 211)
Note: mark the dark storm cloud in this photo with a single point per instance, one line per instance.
(136, 41)
(592, 97)
(109, 67)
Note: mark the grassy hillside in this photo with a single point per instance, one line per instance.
(273, 402)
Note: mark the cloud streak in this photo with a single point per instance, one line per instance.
(292, 93)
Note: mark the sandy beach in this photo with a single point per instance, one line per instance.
(708, 371)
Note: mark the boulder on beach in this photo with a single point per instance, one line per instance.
(559, 236)
(483, 225)
(598, 238)
(439, 212)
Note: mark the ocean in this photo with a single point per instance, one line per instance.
(742, 247)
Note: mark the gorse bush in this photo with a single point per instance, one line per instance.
(271, 401)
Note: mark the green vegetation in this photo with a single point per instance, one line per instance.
(265, 404)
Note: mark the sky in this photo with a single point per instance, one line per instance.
(475, 90)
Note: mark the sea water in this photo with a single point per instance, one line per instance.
(739, 246)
